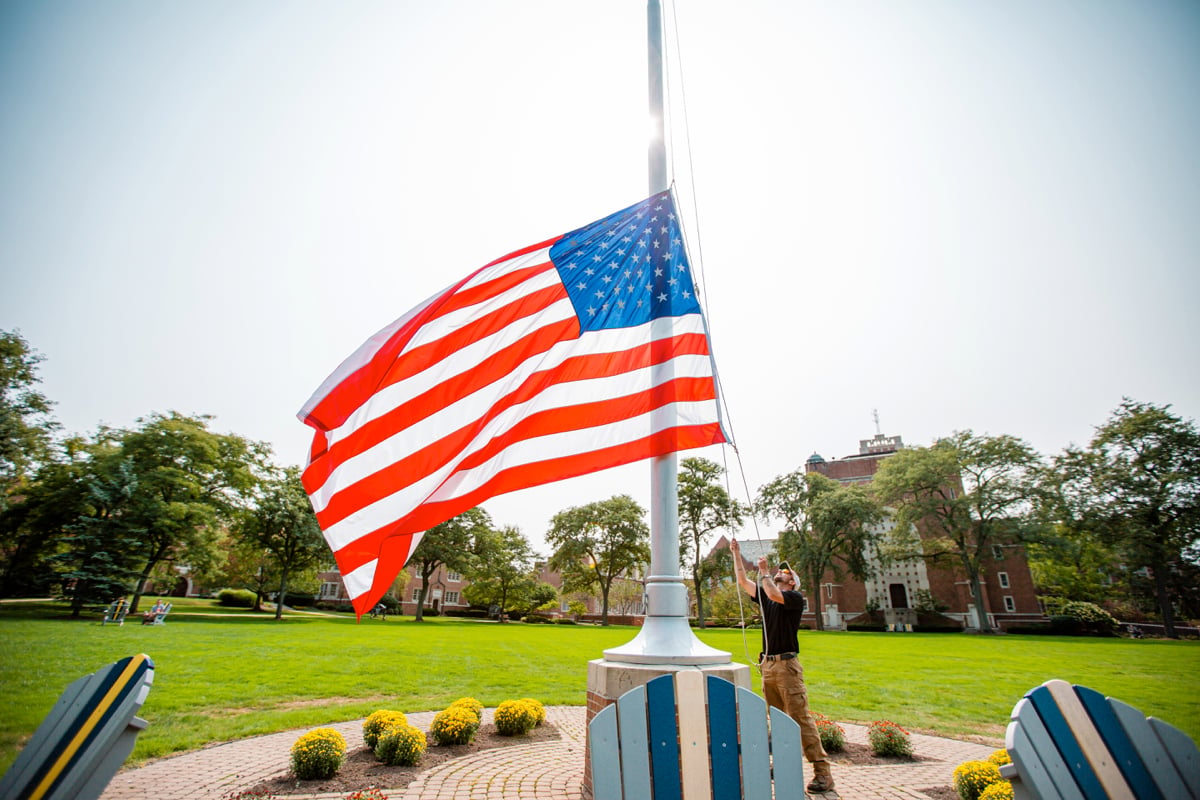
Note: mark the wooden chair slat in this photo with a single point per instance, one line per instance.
(693, 735)
(1064, 738)
(723, 739)
(1101, 761)
(634, 742)
(1122, 751)
(787, 757)
(1182, 751)
(756, 745)
(603, 748)
(1149, 749)
(1040, 754)
(664, 741)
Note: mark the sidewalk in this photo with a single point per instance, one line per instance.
(542, 771)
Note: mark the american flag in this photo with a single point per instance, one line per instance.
(567, 357)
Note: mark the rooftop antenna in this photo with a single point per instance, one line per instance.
(875, 413)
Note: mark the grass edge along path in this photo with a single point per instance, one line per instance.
(227, 675)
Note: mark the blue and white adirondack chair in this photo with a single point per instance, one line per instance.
(1073, 743)
(668, 741)
(85, 738)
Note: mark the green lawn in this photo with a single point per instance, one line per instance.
(223, 675)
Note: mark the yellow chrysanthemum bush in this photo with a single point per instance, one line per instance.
(833, 736)
(454, 725)
(514, 718)
(379, 723)
(971, 778)
(318, 754)
(401, 746)
(472, 705)
(1000, 757)
(539, 710)
(889, 739)
(1000, 790)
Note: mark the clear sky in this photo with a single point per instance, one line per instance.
(963, 214)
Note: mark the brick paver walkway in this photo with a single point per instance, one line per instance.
(538, 771)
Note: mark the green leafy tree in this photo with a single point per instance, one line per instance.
(1139, 484)
(190, 482)
(704, 507)
(827, 528)
(597, 543)
(501, 574)
(454, 544)
(716, 570)
(965, 493)
(26, 428)
(95, 561)
(283, 524)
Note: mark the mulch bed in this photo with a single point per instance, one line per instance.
(361, 770)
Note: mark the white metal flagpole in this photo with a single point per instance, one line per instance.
(665, 637)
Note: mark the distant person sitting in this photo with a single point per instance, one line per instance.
(148, 617)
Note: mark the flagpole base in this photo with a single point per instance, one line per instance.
(666, 640)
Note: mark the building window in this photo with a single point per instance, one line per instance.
(829, 591)
(329, 589)
(1003, 576)
(452, 597)
(997, 552)
(1009, 604)
(453, 576)
(416, 594)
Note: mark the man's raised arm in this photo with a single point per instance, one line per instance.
(739, 572)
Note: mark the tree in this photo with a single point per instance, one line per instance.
(597, 543)
(25, 425)
(190, 481)
(965, 493)
(716, 571)
(452, 543)
(95, 562)
(1139, 483)
(827, 527)
(704, 507)
(502, 573)
(282, 522)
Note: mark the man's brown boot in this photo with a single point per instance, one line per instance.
(822, 780)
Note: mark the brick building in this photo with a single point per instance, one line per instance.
(445, 590)
(1008, 588)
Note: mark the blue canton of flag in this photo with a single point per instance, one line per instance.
(628, 268)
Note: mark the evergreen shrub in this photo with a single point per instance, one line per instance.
(236, 598)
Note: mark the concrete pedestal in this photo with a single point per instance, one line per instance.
(608, 680)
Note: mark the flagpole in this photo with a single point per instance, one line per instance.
(665, 637)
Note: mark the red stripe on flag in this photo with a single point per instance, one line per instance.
(414, 466)
(523, 476)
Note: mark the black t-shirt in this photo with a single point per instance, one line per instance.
(781, 620)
